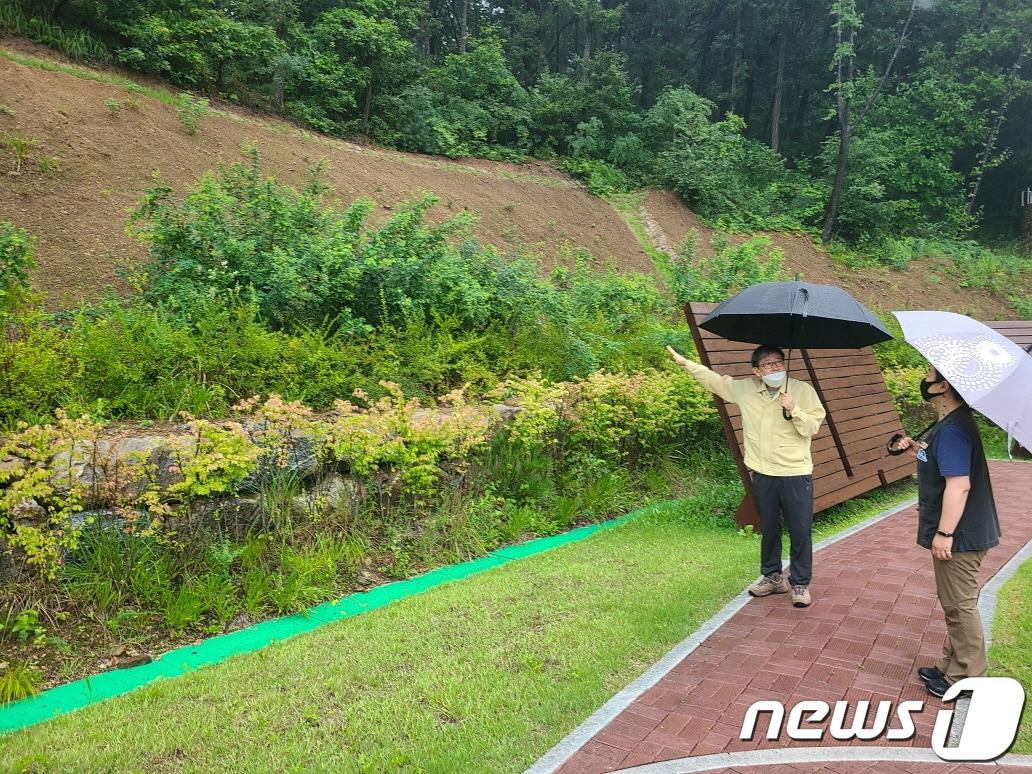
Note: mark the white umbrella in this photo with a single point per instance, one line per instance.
(988, 370)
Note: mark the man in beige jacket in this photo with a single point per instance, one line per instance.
(777, 452)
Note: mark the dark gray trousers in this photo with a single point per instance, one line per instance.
(790, 497)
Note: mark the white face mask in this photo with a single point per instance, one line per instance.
(775, 379)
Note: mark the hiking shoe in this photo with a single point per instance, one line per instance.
(938, 687)
(927, 674)
(800, 596)
(768, 584)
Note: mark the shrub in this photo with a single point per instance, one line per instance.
(599, 177)
(18, 681)
(190, 110)
(40, 495)
(22, 147)
(731, 268)
(17, 259)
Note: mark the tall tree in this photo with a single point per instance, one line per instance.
(847, 24)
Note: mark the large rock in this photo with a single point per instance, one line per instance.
(296, 455)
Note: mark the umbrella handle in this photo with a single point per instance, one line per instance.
(784, 411)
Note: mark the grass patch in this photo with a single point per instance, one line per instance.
(630, 208)
(88, 75)
(1010, 654)
(484, 675)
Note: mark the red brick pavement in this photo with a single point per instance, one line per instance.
(875, 767)
(874, 620)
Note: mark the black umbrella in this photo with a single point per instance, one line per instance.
(796, 315)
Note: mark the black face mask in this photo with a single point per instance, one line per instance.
(926, 386)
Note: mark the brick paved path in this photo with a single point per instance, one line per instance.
(874, 620)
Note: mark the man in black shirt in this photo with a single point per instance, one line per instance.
(957, 521)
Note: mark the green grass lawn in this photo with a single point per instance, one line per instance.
(1011, 651)
(480, 675)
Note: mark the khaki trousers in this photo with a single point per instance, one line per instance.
(956, 583)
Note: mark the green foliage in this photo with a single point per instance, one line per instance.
(190, 110)
(213, 460)
(583, 114)
(389, 437)
(76, 43)
(17, 259)
(902, 179)
(611, 84)
(599, 177)
(48, 165)
(39, 493)
(21, 148)
(25, 626)
(722, 173)
(1023, 305)
(731, 268)
(471, 105)
(18, 681)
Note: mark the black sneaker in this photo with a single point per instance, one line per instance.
(938, 687)
(927, 674)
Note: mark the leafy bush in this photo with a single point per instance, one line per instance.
(590, 111)
(18, 681)
(470, 105)
(721, 173)
(599, 177)
(1023, 305)
(40, 497)
(190, 110)
(77, 43)
(390, 437)
(731, 268)
(903, 178)
(17, 259)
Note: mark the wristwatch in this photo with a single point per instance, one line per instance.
(944, 534)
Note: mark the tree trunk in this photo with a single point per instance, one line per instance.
(994, 130)
(704, 53)
(367, 107)
(585, 50)
(802, 109)
(831, 210)
(779, 89)
(736, 54)
(460, 20)
(750, 87)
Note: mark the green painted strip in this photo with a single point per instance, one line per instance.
(81, 693)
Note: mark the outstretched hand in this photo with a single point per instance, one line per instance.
(680, 359)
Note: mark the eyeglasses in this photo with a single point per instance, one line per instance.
(771, 365)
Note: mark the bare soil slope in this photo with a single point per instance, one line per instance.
(103, 160)
(107, 159)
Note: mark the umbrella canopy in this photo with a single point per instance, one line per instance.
(988, 370)
(796, 315)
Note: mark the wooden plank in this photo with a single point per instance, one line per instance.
(824, 502)
(829, 477)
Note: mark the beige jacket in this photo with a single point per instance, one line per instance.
(773, 446)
